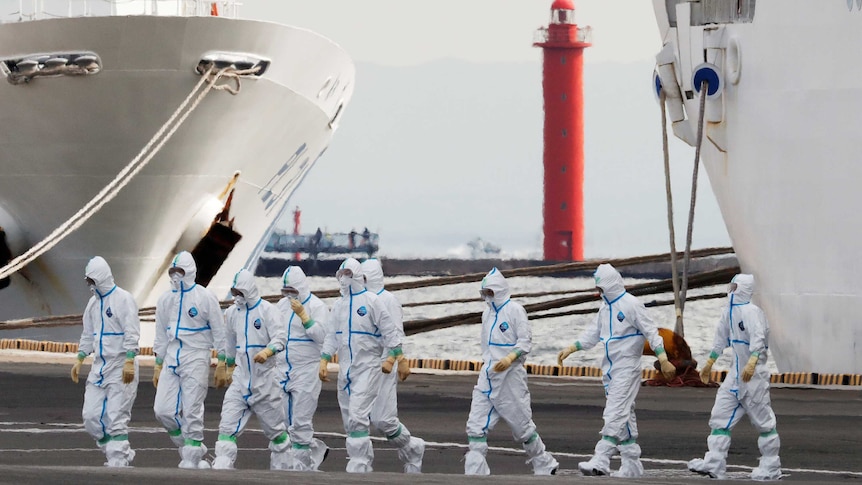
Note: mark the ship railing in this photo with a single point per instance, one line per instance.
(704, 12)
(25, 10)
(545, 35)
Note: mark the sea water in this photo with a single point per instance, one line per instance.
(550, 335)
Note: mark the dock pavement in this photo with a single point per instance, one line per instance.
(42, 438)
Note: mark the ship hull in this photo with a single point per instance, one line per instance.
(64, 138)
(783, 162)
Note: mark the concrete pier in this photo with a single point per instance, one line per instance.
(42, 439)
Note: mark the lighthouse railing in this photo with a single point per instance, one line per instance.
(545, 35)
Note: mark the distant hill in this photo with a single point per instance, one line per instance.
(433, 156)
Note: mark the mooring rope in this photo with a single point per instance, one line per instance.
(678, 325)
(704, 87)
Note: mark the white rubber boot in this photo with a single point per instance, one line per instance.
(361, 455)
(474, 460)
(631, 466)
(119, 453)
(193, 457)
(319, 452)
(280, 457)
(770, 465)
(410, 450)
(225, 455)
(714, 462)
(600, 463)
(542, 461)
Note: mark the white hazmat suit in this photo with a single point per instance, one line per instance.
(384, 413)
(255, 333)
(111, 333)
(361, 329)
(745, 390)
(621, 326)
(298, 369)
(189, 324)
(501, 390)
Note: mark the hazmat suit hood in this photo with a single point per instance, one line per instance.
(294, 277)
(744, 289)
(356, 283)
(186, 262)
(99, 271)
(244, 282)
(610, 281)
(495, 281)
(373, 272)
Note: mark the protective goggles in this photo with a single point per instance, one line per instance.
(235, 292)
(344, 272)
(89, 281)
(290, 292)
(731, 287)
(176, 270)
(486, 293)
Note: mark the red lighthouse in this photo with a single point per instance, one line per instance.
(563, 45)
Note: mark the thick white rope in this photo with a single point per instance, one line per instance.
(678, 327)
(704, 87)
(129, 171)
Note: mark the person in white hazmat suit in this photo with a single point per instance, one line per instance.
(255, 333)
(306, 319)
(501, 390)
(621, 326)
(361, 328)
(189, 324)
(111, 333)
(745, 390)
(384, 412)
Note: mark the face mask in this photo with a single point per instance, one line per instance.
(176, 279)
(344, 281)
(239, 300)
(731, 288)
(92, 289)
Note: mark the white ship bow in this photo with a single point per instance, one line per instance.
(66, 137)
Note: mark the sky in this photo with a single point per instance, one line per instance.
(411, 32)
(391, 152)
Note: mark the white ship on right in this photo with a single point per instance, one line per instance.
(783, 153)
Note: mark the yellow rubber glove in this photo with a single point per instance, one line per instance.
(667, 369)
(506, 361)
(388, 364)
(157, 370)
(323, 372)
(403, 368)
(76, 368)
(129, 368)
(748, 370)
(264, 354)
(230, 368)
(706, 371)
(221, 374)
(394, 356)
(571, 349)
(297, 308)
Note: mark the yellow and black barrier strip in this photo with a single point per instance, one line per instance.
(800, 378)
